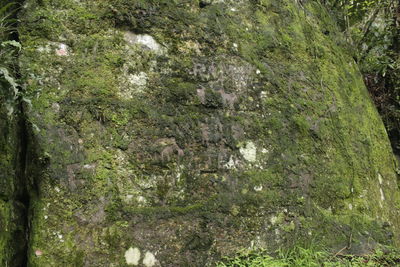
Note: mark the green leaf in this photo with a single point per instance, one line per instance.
(4, 9)
(10, 80)
(12, 43)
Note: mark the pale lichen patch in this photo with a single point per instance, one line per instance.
(230, 164)
(249, 151)
(380, 179)
(149, 259)
(141, 199)
(139, 80)
(145, 40)
(132, 256)
(137, 83)
(258, 188)
(382, 195)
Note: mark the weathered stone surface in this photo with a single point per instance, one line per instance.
(169, 133)
(12, 209)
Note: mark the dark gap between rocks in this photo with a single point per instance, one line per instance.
(203, 4)
(23, 195)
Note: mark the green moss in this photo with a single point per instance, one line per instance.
(156, 164)
(5, 235)
(180, 91)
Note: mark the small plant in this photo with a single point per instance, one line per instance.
(9, 50)
(6, 19)
(252, 259)
(310, 257)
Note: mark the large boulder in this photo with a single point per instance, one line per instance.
(171, 133)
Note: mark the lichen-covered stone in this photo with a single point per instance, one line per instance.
(188, 130)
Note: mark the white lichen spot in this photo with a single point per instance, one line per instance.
(235, 45)
(46, 217)
(230, 164)
(149, 259)
(132, 256)
(251, 243)
(145, 40)
(263, 94)
(139, 81)
(380, 179)
(141, 199)
(89, 166)
(36, 128)
(258, 71)
(249, 151)
(258, 188)
(382, 195)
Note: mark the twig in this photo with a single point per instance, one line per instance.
(337, 253)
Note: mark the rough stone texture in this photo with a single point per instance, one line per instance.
(186, 131)
(12, 210)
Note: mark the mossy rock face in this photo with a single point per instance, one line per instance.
(171, 133)
(12, 211)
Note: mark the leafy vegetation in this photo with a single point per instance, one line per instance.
(311, 257)
(9, 50)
